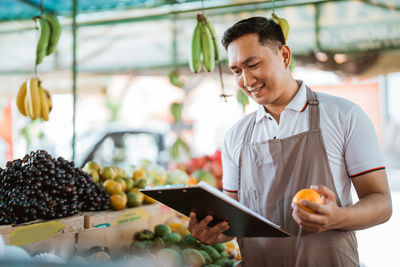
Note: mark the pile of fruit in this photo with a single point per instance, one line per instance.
(42, 187)
(123, 189)
(207, 168)
(173, 249)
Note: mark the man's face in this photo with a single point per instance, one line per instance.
(259, 70)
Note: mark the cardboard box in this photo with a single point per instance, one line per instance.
(154, 212)
(55, 236)
(115, 229)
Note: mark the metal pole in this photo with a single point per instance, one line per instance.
(74, 72)
(384, 102)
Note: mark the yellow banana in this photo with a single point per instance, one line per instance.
(214, 38)
(27, 108)
(33, 97)
(20, 101)
(284, 25)
(49, 101)
(41, 47)
(195, 55)
(44, 107)
(55, 29)
(207, 47)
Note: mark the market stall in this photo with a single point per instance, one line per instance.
(92, 211)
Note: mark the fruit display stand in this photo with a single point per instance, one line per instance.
(115, 229)
(55, 236)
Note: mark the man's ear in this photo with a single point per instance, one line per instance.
(286, 54)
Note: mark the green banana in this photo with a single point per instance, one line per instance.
(176, 111)
(41, 47)
(284, 25)
(195, 57)
(210, 26)
(242, 99)
(56, 28)
(207, 47)
(292, 64)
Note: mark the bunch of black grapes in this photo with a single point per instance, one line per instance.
(42, 187)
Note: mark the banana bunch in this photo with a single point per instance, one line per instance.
(204, 48)
(284, 25)
(50, 31)
(33, 100)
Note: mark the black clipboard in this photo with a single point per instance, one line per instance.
(207, 200)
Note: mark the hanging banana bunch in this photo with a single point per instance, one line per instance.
(204, 48)
(179, 150)
(285, 30)
(284, 25)
(242, 99)
(49, 34)
(176, 110)
(33, 100)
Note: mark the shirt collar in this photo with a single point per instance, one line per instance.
(298, 103)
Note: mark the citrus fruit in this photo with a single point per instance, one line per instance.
(308, 194)
(149, 200)
(138, 174)
(95, 175)
(112, 187)
(162, 229)
(123, 194)
(129, 183)
(122, 182)
(134, 199)
(140, 183)
(107, 173)
(92, 165)
(118, 202)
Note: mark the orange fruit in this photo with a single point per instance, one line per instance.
(122, 182)
(118, 201)
(112, 187)
(308, 194)
(123, 194)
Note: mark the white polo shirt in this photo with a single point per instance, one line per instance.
(349, 137)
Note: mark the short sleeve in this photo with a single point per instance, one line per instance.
(362, 149)
(229, 165)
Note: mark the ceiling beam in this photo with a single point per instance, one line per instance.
(29, 2)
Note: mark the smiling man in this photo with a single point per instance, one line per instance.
(296, 139)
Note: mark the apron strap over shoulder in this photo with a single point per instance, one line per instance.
(314, 110)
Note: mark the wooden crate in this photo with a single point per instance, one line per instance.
(55, 236)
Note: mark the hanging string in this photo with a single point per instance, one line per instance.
(202, 7)
(37, 36)
(273, 6)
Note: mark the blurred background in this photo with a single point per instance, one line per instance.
(123, 92)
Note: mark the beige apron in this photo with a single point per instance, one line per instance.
(270, 173)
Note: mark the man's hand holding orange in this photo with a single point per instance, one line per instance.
(315, 214)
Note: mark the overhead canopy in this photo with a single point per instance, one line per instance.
(134, 36)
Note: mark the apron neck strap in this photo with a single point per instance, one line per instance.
(314, 110)
(250, 128)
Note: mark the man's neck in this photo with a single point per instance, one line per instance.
(276, 108)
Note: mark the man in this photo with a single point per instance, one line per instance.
(296, 139)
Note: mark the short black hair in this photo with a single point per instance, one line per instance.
(269, 32)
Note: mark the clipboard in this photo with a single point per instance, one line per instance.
(207, 200)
